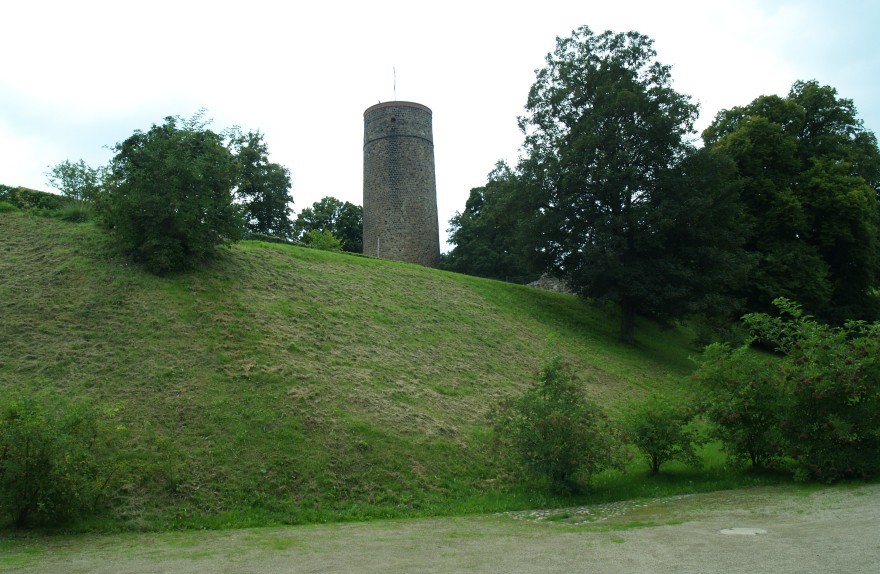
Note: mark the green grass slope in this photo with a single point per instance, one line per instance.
(285, 384)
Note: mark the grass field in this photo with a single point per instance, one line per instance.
(278, 384)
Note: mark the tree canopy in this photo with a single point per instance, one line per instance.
(628, 211)
(343, 219)
(811, 176)
(263, 188)
(168, 195)
(490, 235)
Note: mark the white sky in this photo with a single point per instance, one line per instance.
(76, 76)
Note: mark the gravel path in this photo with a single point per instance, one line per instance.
(777, 530)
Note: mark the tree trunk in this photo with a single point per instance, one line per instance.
(627, 322)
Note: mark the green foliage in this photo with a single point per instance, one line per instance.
(627, 211)
(553, 432)
(53, 467)
(30, 199)
(832, 425)
(7, 206)
(77, 181)
(262, 187)
(490, 235)
(77, 212)
(817, 402)
(343, 220)
(811, 176)
(659, 429)
(322, 239)
(746, 400)
(169, 195)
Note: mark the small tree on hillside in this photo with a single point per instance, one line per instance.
(75, 180)
(746, 400)
(659, 428)
(554, 432)
(169, 194)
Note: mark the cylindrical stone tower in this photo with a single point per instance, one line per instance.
(400, 191)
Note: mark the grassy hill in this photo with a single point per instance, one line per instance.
(282, 384)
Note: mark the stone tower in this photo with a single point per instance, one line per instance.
(400, 192)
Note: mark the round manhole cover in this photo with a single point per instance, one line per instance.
(743, 531)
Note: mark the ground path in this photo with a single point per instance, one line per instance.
(798, 530)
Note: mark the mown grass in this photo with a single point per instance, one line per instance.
(278, 384)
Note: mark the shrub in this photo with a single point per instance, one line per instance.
(659, 429)
(322, 239)
(833, 373)
(77, 212)
(553, 432)
(7, 206)
(816, 402)
(168, 195)
(77, 181)
(24, 198)
(52, 467)
(744, 396)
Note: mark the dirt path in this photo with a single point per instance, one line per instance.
(807, 530)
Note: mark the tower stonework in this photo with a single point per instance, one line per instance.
(400, 190)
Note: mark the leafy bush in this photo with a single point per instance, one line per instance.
(267, 238)
(553, 432)
(833, 375)
(659, 429)
(168, 194)
(24, 198)
(6, 206)
(322, 239)
(746, 399)
(817, 402)
(52, 463)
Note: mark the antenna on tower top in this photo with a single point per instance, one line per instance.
(394, 69)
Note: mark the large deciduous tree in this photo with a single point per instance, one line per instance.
(263, 188)
(490, 234)
(811, 176)
(169, 194)
(629, 212)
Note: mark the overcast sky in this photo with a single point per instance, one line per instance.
(76, 76)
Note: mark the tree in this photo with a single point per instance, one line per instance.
(659, 428)
(490, 235)
(606, 145)
(746, 399)
(343, 219)
(75, 180)
(262, 187)
(169, 194)
(554, 432)
(811, 177)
